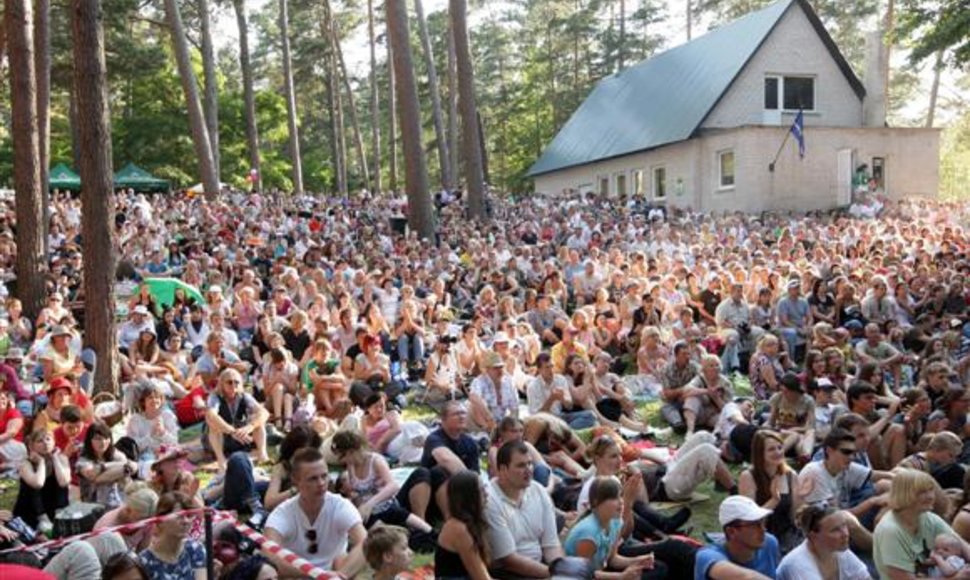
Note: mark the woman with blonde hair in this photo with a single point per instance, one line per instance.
(766, 368)
(903, 536)
(652, 354)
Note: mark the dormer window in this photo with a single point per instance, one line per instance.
(792, 93)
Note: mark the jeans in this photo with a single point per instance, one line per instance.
(541, 474)
(579, 419)
(730, 356)
(410, 348)
(241, 486)
(791, 338)
(672, 414)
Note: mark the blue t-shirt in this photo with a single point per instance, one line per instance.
(191, 559)
(589, 528)
(796, 310)
(765, 560)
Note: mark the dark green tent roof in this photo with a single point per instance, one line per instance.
(138, 179)
(61, 177)
(666, 98)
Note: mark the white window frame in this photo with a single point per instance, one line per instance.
(720, 176)
(781, 92)
(653, 183)
(637, 179)
(599, 185)
(616, 184)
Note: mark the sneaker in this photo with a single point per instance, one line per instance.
(258, 520)
(423, 542)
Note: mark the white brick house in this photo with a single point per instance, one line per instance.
(699, 124)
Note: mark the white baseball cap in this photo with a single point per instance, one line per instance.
(740, 508)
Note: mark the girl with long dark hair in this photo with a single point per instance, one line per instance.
(598, 533)
(104, 471)
(772, 483)
(463, 550)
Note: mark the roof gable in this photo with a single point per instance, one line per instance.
(666, 98)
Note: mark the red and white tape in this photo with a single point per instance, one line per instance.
(292, 559)
(123, 529)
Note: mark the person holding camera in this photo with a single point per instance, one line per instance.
(733, 318)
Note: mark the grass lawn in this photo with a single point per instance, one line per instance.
(704, 513)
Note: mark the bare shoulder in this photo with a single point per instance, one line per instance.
(454, 535)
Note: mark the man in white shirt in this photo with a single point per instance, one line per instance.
(321, 527)
(522, 520)
(548, 392)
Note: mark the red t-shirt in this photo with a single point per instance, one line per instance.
(62, 439)
(8, 416)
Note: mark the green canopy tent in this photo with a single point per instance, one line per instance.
(134, 177)
(163, 289)
(61, 177)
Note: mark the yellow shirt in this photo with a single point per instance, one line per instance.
(560, 352)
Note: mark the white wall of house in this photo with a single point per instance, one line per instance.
(793, 48)
(691, 168)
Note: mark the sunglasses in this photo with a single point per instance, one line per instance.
(847, 452)
(311, 536)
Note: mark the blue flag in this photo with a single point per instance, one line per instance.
(798, 130)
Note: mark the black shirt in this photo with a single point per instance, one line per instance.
(296, 343)
(464, 447)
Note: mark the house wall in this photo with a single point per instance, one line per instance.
(792, 48)
(911, 157)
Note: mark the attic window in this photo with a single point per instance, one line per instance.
(792, 93)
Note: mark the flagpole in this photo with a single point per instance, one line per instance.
(771, 166)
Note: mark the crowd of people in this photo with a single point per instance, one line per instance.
(810, 366)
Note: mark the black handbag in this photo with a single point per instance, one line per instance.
(77, 518)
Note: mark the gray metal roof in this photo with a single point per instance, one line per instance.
(665, 99)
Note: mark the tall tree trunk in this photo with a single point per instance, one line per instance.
(200, 133)
(375, 109)
(42, 71)
(620, 51)
(447, 180)
(934, 89)
(31, 260)
(249, 96)
(392, 105)
(339, 126)
(290, 99)
(75, 128)
(420, 216)
(333, 96)
(471, 141)
(210, 102)
(453, 105)
(486, 178)
(97, 198)
(351, 101)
